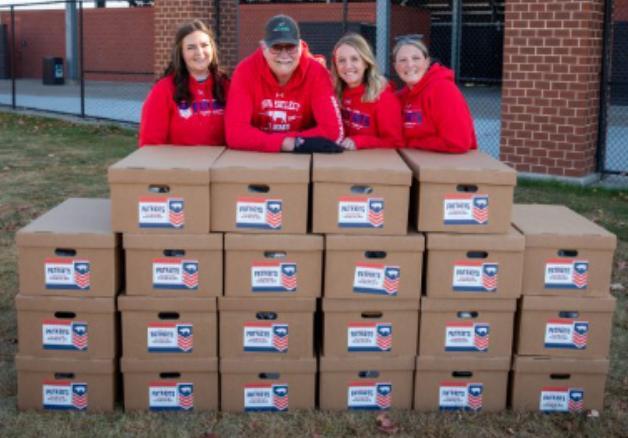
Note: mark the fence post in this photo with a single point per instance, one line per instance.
(382, 35)
(600, 152)
(13, 100)
(456, 26)
(80, 59)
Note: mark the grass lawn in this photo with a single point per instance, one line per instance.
(44, 161)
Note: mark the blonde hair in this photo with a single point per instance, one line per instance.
(375, 82)
(408, 41)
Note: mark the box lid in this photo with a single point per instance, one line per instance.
(60, 304)
(258, 167)
(182, 241)
(589, 305)
(249, 365)
(412, 242)
(128, 365)
(399, 363)
(54, 365)
(469, 304)
(473, 167)
(275, 242)
(76, 222)
(462, 364)
(344, 305)
(166, 164)
(552, 226)
(512, 241)
(367, 166)
(162, 304)
(267, 304)
(546, 364)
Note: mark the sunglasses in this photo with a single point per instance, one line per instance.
(276, 49)
(409, 37)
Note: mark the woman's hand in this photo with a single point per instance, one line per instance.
(348, 144)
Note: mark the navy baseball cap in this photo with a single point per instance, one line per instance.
(282, 29)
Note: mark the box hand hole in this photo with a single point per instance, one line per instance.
(569, 314)
(65, 315)
(174, 252)
(65, 252)
(477, 254)
(361, 190)
(269, 376)
(154, 188)
(560, 376)
(461, 374)
(259, 188)
(64, 376)
(467, 188)
(372, 314)
(170, 375)
(466, 314)
(375, 254)
(168, 315)
(567, 253)
(267, 316)
(368, 374)
(274, 254)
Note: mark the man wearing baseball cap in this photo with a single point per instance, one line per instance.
(281, 98)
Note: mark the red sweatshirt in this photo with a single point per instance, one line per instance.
(436, 116)
(166, 122)
(372, 124)
(261, 113)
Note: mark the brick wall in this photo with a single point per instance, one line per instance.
(550, 91)
(620, 10)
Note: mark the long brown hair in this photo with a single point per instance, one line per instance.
(180, 73)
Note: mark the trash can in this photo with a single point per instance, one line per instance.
(53, 71)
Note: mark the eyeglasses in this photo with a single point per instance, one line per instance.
(276, 49)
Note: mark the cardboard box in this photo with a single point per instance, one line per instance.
(369, 384)
(174, 266)
(558, 385)
(168, 328)
(255, 192)
(374, 267)
(70, 251)
(267, 385)
(65, 384)
(467, 384)
(69, 328)
(474, 265)
(566, 254)
(162, 189)
(279, 265)
(466, 193)
(361, 192)
(266, 328)
(371, 328)
(453, 328)
(565, 327)
(170, 385)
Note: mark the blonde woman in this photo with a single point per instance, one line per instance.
(371, 114)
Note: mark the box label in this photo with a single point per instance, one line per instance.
(170, 396)
(566, 274)
(566, 334)
(259, 213)
(465, 209)
(265, 397)
(460, 396)
(369, 336)
(467, 336)
(67, 274)
(64, 395)
(173, 273)
(561, 399)
(471, 276)
(265, 336)
(64, 335)
(369, 395)
(378, 279)
(166, 337)
(360, 212)
(273, 277)
(161, 212)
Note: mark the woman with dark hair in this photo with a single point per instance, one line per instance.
(186, 106)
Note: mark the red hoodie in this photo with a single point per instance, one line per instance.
(261, 113)
(436, 116)
(372, 124)
(165, 121)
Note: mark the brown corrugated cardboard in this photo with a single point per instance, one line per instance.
(466, 193)
(278, 265)
(258, 385)
(464, 384)
(169, 266)
(361, 192)
(566, 254)
(254, 192)
(68, 328)
(168, 328)
(170, 385)
(565, 327)
(374, 267)
(366, 383)
(162, 189)
(266, 328)
(558, 385)
(360, 328)
(474, 265)
(65, 384)
(70, 251)
(453, 328)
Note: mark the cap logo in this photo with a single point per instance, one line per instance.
(281, 27)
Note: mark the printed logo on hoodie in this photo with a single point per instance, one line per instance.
(278, 114)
